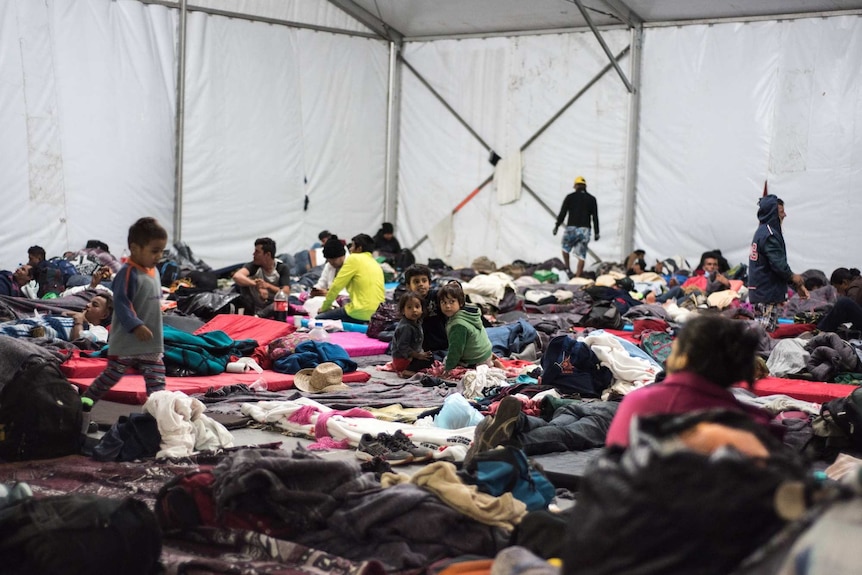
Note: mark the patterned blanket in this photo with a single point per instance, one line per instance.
(198, 551)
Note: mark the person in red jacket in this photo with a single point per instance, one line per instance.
(710, 354)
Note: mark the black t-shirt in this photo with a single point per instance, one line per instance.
(434, 325)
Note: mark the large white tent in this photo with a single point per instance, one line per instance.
(234, 119)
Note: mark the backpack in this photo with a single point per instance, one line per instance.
(572, 367)
(658, 345)
(40, 414)
(169, 271)
(845, 414)
(71, 534)
(506, 469)
(51, 275)
(403, 259)
(382, 323)
(603, 317)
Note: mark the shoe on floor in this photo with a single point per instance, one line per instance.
(495, 429)
(371, 447)
(400, 441)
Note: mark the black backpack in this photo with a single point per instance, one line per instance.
(845, 414)
(40, 414)
(71, 534)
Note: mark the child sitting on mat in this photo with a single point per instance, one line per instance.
(418, 279)
(469, 344)
(407, 354)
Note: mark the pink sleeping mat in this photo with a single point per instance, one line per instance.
(358, 344)
(263, 331)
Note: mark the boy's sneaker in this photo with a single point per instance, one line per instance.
(495, 429)
(371, 447)
(400, 441)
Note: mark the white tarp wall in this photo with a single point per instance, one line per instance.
(87, 104)
(87, 117)
(506, 89)
(269, 108)
(725, 107)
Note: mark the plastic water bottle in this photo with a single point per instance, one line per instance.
(317, 333)
(279, 305)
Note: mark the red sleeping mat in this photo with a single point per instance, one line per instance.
(804, 390)
(814, 391)
(263, 331)
(131, 389)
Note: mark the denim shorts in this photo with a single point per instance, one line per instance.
(576, 240)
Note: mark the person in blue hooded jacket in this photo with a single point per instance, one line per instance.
(768, 271)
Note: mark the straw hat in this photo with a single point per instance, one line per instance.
(324, 378)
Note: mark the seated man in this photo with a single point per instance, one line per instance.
(848, 306)
(709, 281)
(36, 255)
(322, 238)
(385, 243)
(335, 254)
(259, 280)
(362, 277)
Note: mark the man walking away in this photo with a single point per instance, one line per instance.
(582, 209)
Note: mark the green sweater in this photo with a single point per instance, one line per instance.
(468, 341)
(363, 278)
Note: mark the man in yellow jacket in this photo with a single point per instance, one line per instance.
(362, 277)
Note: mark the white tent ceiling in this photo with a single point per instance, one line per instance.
(417, 19)
(413, 20)
(298, 117)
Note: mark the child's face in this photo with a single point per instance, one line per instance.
(420, 284)
(149, 255)
(96, 311)
(412, 309)
(449, 306)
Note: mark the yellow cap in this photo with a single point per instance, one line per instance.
(580, 180)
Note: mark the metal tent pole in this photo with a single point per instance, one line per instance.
(630, 200)
(393, 129)
(180, 133)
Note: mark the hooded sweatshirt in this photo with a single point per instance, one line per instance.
(468, 341)
(768, 271)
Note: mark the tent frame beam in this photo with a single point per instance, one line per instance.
(603, 44)
(364, 17)
(178, 4)
(622, 11)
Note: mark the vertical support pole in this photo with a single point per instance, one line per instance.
(393, 129)
(630, 199)
(180, 129)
